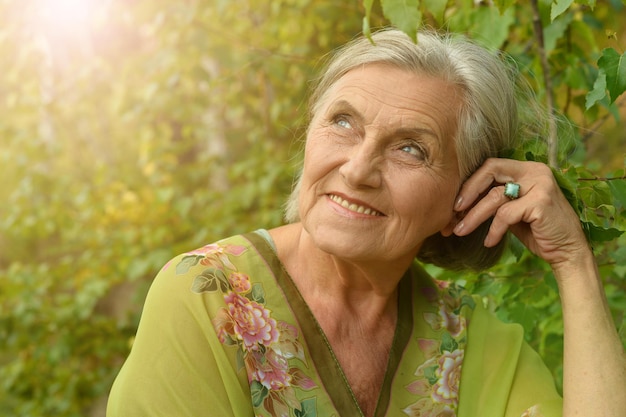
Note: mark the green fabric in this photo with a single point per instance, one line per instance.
(224, 332)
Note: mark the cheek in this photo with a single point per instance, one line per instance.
(320, 157)
(430, 198)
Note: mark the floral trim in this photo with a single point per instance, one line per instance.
(438, 378)
(265, 345)
(534, 411)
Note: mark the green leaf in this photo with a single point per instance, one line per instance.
(367, 31)
(558, 7)
(490, 27)
(592, 4)
(257, 293)
(186, 263)
(367, 4)
(620, 255)
(258, 392)
(204, 283)
(598, 92)
(525, 315)
(430, 374)
(618, 189)
(550, 281)
(555, 31)
(222, 279)
(240, 359)
(403, 14)
(468, 300)
(614, 65)
(436, 8)
(516, 247)
(600, 234)
(448, 344)
(568, 189)
(504, 5)
(308, 408)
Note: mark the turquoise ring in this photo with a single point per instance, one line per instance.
(511, 190)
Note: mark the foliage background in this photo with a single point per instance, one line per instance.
(133, 130)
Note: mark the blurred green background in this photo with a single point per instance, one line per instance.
(134, 130)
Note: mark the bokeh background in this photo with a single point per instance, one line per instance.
(134, 130)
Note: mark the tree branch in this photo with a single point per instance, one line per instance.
(547, 81)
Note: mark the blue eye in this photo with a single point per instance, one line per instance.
(344, 123)
(413, 150)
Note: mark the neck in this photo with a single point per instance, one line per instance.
(367, 289)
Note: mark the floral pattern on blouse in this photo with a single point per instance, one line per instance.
(534, 411)
(438, 378)
(273, 356)
(265, 345)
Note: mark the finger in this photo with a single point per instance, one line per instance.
(506, 217)
(493, 171)
(485, 208)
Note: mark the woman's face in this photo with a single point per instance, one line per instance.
(380, 169)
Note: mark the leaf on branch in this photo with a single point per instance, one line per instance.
(618, 189)
(367, 4)
(614, 65)
(555, 31)
(558, 7)
(367, 31)
(591, 4)
(568, 189)
(600, 234)
(491, 27)
(403, 14)
(435, 7)
(504, 5)
(599, 90)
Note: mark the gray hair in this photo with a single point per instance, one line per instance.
(488, 117)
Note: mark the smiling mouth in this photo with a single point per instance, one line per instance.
(354, 207)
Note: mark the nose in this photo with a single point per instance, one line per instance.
(362, 167)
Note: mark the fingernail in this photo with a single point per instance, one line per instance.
(457, 205)
(459, 227)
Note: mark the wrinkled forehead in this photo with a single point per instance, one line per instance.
(394, 93)
(371, 72)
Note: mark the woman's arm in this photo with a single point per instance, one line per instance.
(594, 371)
(177, 366)
(594, 358)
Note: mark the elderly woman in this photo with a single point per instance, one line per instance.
(331, 315)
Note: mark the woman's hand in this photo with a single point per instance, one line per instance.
(541, 217)
(594, 367)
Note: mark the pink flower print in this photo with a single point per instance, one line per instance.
(446, 389)
(216, 255)
(420, 388)
(252, 322)
(534, 411)
(442, 285)
(224, 327)
(269, 368)
(446, 319)
(427, 408)
(454, 323)
(239, 282)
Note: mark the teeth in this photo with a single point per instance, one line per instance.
(354, 207)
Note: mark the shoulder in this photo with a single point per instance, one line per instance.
(211, 271)
(223, 255)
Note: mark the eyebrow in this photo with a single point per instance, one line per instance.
(344, 105)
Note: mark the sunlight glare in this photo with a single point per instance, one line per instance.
(65, 15)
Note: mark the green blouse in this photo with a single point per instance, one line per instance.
(225, 332)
